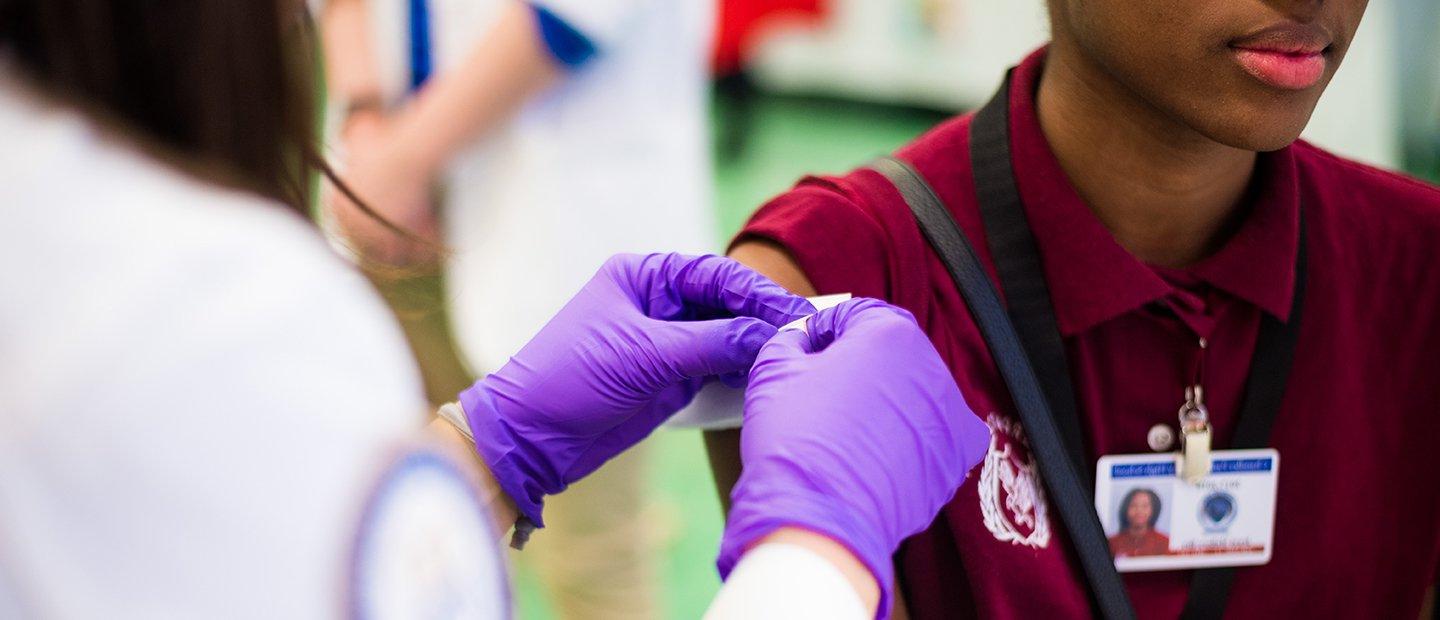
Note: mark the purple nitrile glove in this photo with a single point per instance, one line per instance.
(856, 431)
(629, 350)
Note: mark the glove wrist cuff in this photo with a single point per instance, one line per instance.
(504, 452)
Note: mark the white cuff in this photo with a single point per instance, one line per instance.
(782, 580)
(455, 415)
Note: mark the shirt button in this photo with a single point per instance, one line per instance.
(1161, 437)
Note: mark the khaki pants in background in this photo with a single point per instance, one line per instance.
(598, 556)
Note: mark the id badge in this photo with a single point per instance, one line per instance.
(1155, 520)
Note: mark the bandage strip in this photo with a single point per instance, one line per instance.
(821, 302)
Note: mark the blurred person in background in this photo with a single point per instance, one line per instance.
(1153, 151)
(205, 409)
(558, 132)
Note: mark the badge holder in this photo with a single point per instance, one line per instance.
(1209, 508)
(1194, 436)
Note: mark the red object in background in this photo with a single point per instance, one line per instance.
(741, 20)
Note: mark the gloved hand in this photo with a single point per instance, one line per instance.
(629, 350)
(856, 431)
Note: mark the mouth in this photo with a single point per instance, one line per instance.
(1289, 56)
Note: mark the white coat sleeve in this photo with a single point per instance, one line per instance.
(202, 407)
(781, 580)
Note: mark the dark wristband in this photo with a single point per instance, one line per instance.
(523, 528)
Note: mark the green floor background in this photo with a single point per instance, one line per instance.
(788, 138)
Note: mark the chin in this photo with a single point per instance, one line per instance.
(1256, 128)
(1260, 140)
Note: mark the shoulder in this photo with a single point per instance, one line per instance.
(853, 232)
(1372, 236)
(834, 233)
(122, 257)
(1377, 228)
(1383, 194)
(941, 152)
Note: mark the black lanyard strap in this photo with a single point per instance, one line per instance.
(1061, 478)
(1017, 262)
(1028, 350)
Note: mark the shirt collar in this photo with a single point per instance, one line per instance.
(1093, 279)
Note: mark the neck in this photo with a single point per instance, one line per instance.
(1167, 193)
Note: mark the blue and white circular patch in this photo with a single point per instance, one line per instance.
(426, 548)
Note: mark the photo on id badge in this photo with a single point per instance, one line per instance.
(1154, 520)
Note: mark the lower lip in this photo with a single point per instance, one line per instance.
(1283, 70)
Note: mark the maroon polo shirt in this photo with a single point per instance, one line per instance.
(1358, 526)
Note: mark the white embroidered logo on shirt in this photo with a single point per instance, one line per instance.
(1011, 498)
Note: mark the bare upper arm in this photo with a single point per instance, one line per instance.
(772, 261)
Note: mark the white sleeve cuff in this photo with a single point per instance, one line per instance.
(782, 580)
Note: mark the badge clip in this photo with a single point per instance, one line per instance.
(1194, 436)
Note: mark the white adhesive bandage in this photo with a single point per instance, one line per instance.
(821, 302)
(718, 407)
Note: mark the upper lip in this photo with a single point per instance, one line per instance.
(1286, 38)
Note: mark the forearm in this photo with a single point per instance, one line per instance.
(797, 573)
(462, 451)
(508, 66)
(723, 449)
(350, 70)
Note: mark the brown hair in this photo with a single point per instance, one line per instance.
(225, 88)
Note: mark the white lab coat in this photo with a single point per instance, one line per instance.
(614, 159)
(200, 404)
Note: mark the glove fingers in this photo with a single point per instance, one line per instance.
(718, 283)
(735, 380)
(856, 316)
(787, 344)
(697, 349)
(827, 325)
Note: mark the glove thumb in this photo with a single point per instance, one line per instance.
(786, 344)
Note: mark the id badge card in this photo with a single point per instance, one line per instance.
(1155, 520)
